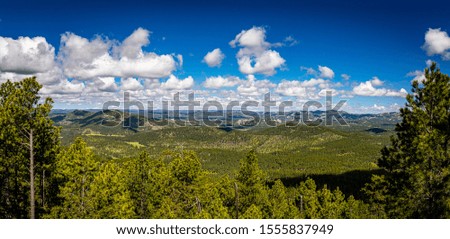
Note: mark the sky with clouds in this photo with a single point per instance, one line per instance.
(85, 53)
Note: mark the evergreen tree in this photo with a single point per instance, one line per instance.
(138, 183)
(325, 203)
(167, 210)
(253, 212)
(332, 203)
(180, 196)
(251, 186)
(356, 209)
(108, 196)
(28, 147)
(148, 183)
(209, 204)
(158, 186)
(76, 169)
(281, 207)
(415, 183)
(186, 167)
(308, 200)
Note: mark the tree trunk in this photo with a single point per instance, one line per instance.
(43, 188)
(301, 204)
(236, 200)
(32, 203)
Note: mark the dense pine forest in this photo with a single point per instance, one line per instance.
(49, 169)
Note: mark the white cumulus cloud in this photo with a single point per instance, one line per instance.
(26, 55)
(85, 59)
(254, 87)
(437, 42)
(368, 89)
(214, 58)
(131, 84)
(131, 47)
(308, 89)
(326, 72)
(107, 84)
(217, 82)
(291, 88)
(376, 81)
(64, 87)
(255, 55)
(173, 83)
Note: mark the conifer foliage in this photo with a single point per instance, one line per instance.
(416, 181)
(29, 144)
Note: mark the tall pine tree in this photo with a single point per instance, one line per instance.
(416, 164)
(76, 169)
(28, 147)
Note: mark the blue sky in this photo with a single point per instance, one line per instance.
(380, 45)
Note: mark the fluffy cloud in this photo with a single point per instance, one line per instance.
(107, 84)
(214, 58)
(26, 55)
(131, 84)
(266, 63)
(291, 88)
(64, 87)
(254, 37)
(401, 93)
(321, 72)
(50, 77)
(131, 47)
(326, 72)
(437, 42)
(253, 87)
(85, 59)
(376, 81)
(311, 89)
(368, 89)
(173, 83)
(255, 56)
(219, 82)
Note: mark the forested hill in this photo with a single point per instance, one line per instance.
(115, 121)
(291, 153)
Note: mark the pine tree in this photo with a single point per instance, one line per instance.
(180, 195)
(332, 203)
(138, 183)
(76, 169)
(251, 186)
(253, 212)
(415, 183)
(280, 205)
(158, 186)
(308, 199)
(108, 196)
(29, 144)
(325, 203)
(186, 167)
